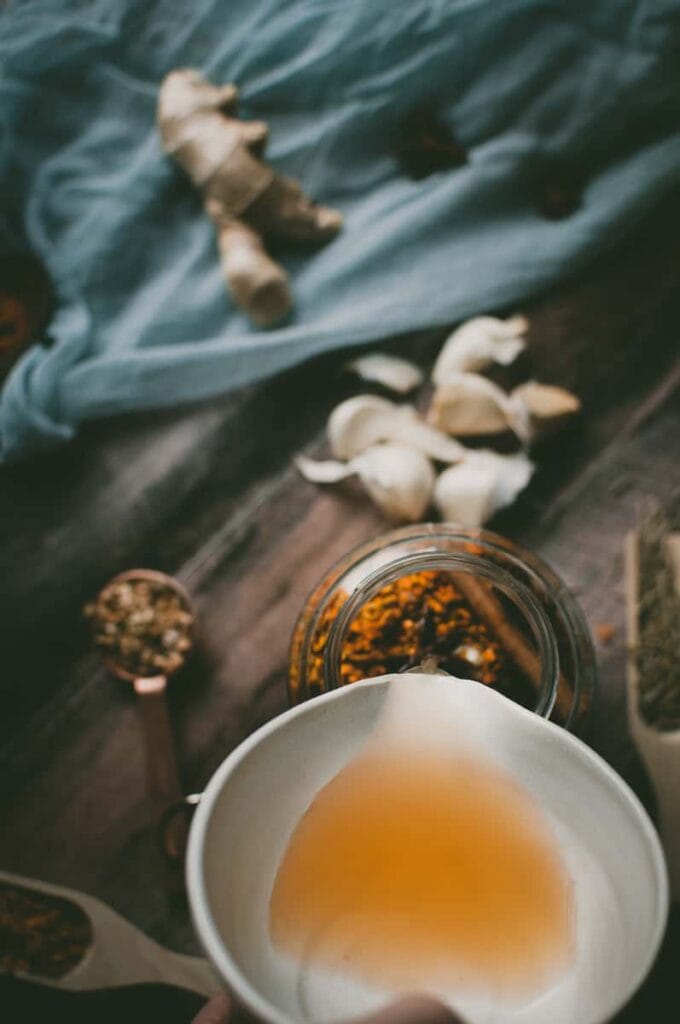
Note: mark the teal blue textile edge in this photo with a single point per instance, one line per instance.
(143, 318)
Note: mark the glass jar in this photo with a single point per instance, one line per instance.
(473, 603)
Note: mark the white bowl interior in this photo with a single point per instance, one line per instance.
(258, 795)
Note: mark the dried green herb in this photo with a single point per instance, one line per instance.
(142, 625)
(41, 934)
(658, 652)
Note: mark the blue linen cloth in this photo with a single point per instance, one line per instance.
(144, 319)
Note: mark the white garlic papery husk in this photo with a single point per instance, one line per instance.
(472, 491)
(360, 422)
(478, 342)
(547, 405)
(325, 471)
(398, 479)
(391, 372)
(468, 404)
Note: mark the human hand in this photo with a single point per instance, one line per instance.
(407, 1010)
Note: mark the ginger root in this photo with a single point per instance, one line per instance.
(245, 198)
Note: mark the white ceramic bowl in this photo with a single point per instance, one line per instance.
(256, 797)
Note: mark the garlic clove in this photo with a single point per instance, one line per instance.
(358, 423)
(411, 430)
(472, 491)
(547, 406)
(478, 342)
(327, 471)
(464, 494)
(398, 479)
(466, 404)
(366, 420)
(512, 474)
(393, 373)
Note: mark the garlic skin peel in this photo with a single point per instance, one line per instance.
(327, 471)
(547, 406)
(366, 420)
(398, 479)
(391, 372)
(471, 492)
(478, 342)
(468, 404)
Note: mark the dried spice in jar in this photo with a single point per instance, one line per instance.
(473, 603)
(143, 625)
(420, 615)
(41, 934)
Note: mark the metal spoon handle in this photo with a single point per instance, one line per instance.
(161, 760)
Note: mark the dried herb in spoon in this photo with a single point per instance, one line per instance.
(41, 934)
(142, 625)
(658, 652)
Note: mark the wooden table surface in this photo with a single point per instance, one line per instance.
(209, 494)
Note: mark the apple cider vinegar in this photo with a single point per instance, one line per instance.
(413, 869)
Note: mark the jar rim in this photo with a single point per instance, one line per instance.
(477, 566)
(577, 679)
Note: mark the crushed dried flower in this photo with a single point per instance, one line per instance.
(142, 625)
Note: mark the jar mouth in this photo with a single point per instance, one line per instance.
(482, 575)
(549, 608)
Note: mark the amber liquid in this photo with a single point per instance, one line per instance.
(412, 870)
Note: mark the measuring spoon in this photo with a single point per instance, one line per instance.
(161, 759)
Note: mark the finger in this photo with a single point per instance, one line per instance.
(414, 1010)
(217, 1011)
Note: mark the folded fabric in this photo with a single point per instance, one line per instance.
(531, 89)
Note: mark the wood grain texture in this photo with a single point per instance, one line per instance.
(209, 494)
